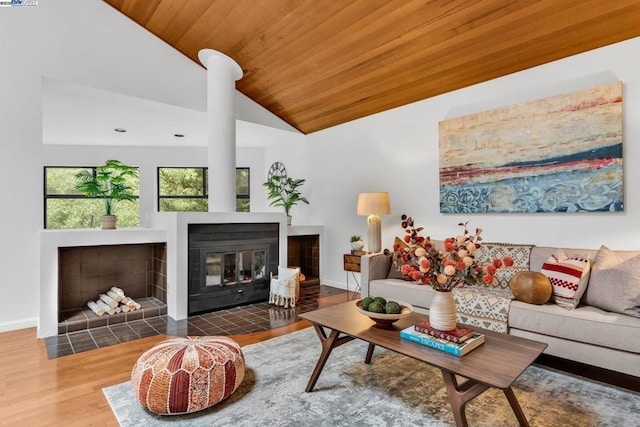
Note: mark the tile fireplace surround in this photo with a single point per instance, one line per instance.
(167, 227)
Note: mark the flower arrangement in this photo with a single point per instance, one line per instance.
(454, 265)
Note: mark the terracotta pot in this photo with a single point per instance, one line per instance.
(109, 222)
(442, 313)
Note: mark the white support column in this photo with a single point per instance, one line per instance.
(222, 73)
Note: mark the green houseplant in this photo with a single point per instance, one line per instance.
(109, 184)
(283, 192)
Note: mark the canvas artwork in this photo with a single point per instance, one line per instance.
(559, 154)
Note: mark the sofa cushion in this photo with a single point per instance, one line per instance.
(419, 296)
(520, 255)
(584, 324)
(615, 283)
(568, 276)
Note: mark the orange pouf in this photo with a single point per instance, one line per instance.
(184, 375)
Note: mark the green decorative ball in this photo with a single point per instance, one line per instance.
(365, 302)
(376, 307)
(392, 307)
(380, 300)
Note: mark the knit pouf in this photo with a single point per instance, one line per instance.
(184, 375)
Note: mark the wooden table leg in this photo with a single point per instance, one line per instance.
(460, 395)
(513, 401)
(328, 344)
(367, 359)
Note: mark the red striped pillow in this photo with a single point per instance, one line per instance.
(568, 276)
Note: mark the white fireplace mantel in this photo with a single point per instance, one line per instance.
(51, 240)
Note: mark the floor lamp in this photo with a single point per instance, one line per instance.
(374, 204)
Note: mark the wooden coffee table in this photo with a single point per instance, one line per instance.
(497, 363)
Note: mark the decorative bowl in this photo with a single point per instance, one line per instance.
(384, 318)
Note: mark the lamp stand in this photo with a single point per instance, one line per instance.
(374, 233)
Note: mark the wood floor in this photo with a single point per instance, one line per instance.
(35, 391)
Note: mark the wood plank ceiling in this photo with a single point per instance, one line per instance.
(320, 63)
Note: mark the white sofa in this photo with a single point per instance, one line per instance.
(586, 334)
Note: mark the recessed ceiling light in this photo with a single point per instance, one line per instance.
(178, 135)
(120, 130)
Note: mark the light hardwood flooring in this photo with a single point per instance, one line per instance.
(67, 391)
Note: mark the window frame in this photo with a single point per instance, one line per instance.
(205, 187)
(47, 196)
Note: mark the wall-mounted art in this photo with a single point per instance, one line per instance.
(559, 154)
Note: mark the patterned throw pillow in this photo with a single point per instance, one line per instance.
(399, 246)
(520, 254)
(568, 276)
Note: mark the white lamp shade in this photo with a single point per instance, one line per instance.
(374, 203)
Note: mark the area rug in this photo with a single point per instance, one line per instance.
(392, 391)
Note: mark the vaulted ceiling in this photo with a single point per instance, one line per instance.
(320, 63)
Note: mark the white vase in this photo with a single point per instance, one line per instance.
(442, 313)
(357, 245)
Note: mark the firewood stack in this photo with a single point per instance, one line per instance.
(112, 302)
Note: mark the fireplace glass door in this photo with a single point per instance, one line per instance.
(232, 268)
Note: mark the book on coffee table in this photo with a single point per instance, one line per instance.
(456, 349)
(456, 335)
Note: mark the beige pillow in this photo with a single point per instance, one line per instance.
(614, 284)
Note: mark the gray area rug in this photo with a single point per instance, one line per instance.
(393, 391)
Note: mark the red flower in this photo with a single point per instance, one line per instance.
(405, 269)
(420, 239)
(449, 246)
(508, 261)
(407, 238)
(416, 275)
(460, 265)
(491, 270)
(448, 262)
(425, 280)
(487, 279)
(497, 263)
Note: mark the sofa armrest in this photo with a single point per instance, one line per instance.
(373, 267)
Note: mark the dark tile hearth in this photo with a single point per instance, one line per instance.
(118, 329)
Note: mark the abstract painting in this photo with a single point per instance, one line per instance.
(559, 154)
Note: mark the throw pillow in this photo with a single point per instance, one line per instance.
(568, 276)
(614, 284)
(520, 255)
(531, 287)
(399, 247)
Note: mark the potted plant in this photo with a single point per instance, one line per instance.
(283, 192)
(109, 183)
(356, 243)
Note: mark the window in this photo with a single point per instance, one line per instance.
(185, 189)
(65, 207)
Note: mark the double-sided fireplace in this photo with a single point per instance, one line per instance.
(230, 264)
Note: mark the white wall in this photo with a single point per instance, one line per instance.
(397, 151)
(88, 43)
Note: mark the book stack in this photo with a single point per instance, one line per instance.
(458, 335)
(471, 340)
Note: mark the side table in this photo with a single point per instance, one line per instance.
(351, 264)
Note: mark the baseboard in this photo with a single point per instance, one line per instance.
(14, 325)
(339, 285)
